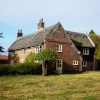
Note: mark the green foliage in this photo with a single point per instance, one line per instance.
(97, 52)
(5, 69)
(46, 55)
(96, 39)
(30, 57)
(25, 68)
(91, 32)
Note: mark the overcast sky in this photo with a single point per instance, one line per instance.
(74, 15)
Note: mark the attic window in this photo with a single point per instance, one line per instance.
(85, 51)
(38, 49)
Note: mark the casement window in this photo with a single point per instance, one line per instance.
(85, 51)
(84, 63)
(22, 60)
(75, 62)
(12, 53)
(59, 63)
(38, 49)
(59, 48)
(12, 61)
(23, 51)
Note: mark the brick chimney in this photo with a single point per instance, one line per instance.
(40, 24)
(19, 33)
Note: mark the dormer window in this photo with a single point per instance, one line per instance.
(38, 49)
(85, 51)
(59, 48)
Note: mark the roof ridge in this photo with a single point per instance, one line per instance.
(37, 31)
(74, 32)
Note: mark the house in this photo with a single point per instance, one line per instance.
(75, 51)
(3, 59)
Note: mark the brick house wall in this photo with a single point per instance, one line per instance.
(69, 51)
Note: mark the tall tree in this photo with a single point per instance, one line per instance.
(91, 32)
(1, 47)
(96, 39)
(46, 55)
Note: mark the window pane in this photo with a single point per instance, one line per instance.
(75, 62)
(59, 63)
(59, 48)
(86, 51)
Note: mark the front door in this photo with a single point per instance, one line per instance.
(59, 64)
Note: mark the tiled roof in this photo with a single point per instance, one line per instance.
(79, 39)
(3, 57)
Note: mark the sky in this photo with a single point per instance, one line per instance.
(74, 15)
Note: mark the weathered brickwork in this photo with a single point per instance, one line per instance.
(69, 51)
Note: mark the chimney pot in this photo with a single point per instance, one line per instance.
(19, 33)
(40, 24)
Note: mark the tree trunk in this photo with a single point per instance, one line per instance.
(43, 68)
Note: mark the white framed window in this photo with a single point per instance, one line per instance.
(38, 49)
(23, 51)
(12, 61)
(22, 60)
(12, 53)
(59, 63)
(59, 48)
(84, 63)
(75, 62)
(85, 51)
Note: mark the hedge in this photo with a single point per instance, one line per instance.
(25, 68)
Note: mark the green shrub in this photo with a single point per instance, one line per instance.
(14, 68)
(25, 68)
(5, 69)
(36, 68)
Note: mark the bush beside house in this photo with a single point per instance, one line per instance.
(23, 69)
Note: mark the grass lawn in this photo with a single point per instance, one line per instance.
(85, 86)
